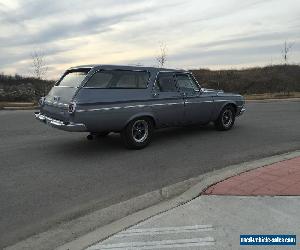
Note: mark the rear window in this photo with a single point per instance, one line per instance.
(111, 79)
(73, 78)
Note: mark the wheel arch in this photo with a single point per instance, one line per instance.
(220, 107)
(219, 122)
(229, 104)
(142, 115)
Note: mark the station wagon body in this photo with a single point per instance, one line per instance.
(107, 98)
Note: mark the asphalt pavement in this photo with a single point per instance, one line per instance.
(46, 174)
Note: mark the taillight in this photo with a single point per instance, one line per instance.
(72, 107)
(42, 101)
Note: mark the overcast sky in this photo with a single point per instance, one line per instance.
(198, 33)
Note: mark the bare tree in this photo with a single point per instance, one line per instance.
(285, 56)
(162, 57)
(39, 71)
(39, 64)
(285, 51)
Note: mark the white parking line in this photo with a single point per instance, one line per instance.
(182, 243)
(164, 230)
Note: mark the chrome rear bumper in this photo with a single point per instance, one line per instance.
(67, 126)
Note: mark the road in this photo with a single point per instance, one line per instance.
(46, 173)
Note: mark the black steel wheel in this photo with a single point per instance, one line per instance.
(226, 118)
(138, 133)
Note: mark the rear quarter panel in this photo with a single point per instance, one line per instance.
(111, 109)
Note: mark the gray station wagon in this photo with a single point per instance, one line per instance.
(134, 101)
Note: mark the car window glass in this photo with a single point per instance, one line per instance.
(186, 84)
(127, 80)
(118, 79)
(166, 82)
(142, 80)
(72, 79)
(100, 80)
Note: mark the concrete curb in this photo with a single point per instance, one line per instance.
(20, 108)
(103, 223)
(292, 99)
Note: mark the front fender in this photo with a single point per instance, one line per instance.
(219, 105)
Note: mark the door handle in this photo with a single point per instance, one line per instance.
(155, 94)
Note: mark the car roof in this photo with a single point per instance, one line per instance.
(125, 67)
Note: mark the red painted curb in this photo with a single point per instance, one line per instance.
(281, 178)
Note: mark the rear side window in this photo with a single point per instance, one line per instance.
(166, 82)
(110, 79)
(72, 78)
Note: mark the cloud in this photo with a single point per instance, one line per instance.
(32, 9)
(264, 38)
(37, 9)
(72, 28)
(129, 31)
(74, 25)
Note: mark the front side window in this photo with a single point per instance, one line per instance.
(166, 82)
(186, 83)
(110, 79)
(72, 78)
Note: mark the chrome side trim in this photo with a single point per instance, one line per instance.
(130, 106)
(221, 100)
(71, 127)
(166, 104)
(199, 102)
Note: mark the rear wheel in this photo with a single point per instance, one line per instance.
(226, 118)
(138, 133)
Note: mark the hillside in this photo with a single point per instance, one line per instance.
(270, 79)
(22, 89)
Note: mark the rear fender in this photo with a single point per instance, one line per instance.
(142, 114)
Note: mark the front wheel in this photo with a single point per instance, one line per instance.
(137, 133)
(226, 118)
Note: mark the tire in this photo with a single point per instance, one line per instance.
(138, 133)
(226, 118)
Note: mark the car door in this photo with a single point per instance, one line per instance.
(198, 107)
(168, 104)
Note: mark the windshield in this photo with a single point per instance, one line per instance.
(73, 78)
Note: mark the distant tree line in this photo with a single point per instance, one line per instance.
(20, 88)
(259, 80)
